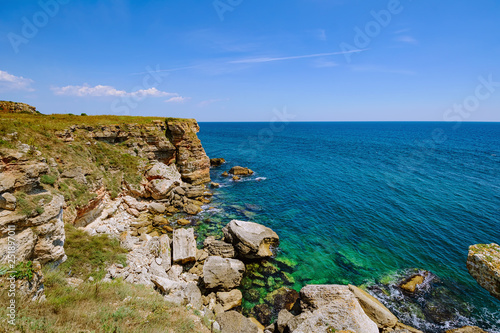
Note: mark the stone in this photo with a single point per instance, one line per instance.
(236, 178)
(165, 284)
(483, 263)
(234, 322)
(216, 162)
(374, 309)
(7, 201)
(195, 192)
(240, 171)
(192, 209)
(183, 222)
(159, 220)
(223, 273)
(333, 306)
(250, 239)
(157, 208)
(413, 282)
(263, 313)
(184, 246)
(230, 300)
(225, 174)
(135, 204)
(282, 298)
(218, 248)
(283, 318)
(214, 185)
(25, 241)
(192, 294)
(466, 329)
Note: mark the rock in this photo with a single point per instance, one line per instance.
(159, 247)
(282, 298)
(374, 309)
(483, 263)
(214, 185)
(183, 222)
(230, 300)
(250, 239)
(195, 192)
(159, 220)
(260, 327)
(234, 322)
(190, 158)
(25, 241)
(157, 208)
(218, 248)
(192, 294)
(466, 329)
(332, 306)
(413, 282)
(402, 328)
(135, 204)
(222, 273)
(283, 318)
(225, 174)
(236, 178)
(192, 209)
(184, 246)
(74, 282)
(263, 313)
(215, 162)
(164, 284)
(240, 171)
(7, 201)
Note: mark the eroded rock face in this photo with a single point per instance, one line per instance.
(250, 239)
(215, 162)
(191, 159)
(483, 263)
(222, 273)
(162, 179)
(15, 107)
(218, 248)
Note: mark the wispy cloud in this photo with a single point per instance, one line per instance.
(381, 69)
(406, 39)
(177, 99)
(103, 91)
(12, 82)
(211, 101)
(157, 70)
(270, 59)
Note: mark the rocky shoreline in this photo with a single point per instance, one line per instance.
(156, 218)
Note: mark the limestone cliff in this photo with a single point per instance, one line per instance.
(66, 168)
(14, 107)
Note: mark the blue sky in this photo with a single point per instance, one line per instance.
(242, 60)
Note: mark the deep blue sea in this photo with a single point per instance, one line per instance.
(368, 202)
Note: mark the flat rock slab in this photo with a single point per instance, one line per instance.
(184, 246)
(251, 240)
(235, 322)
(223, 273)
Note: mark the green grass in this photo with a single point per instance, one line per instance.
(90, 255)
(48, 179)
(31, 205)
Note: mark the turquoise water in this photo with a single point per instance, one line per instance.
(362, 203)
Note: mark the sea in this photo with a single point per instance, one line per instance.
(369, 204)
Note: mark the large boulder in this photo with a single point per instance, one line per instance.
(335, 307)
(222, 273)
(235, 322)
(240, 171)
(374, 309)
(184, 246)
(250, 239)
(162, 179)
(483, 263)
(215, 162)
(230, 299)
(218, 248)
(7, 201)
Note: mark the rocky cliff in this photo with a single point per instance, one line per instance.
(65, 168)
(14, 107)
(483, 263)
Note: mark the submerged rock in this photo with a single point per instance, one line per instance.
(413, 282)
(250, 239)
(483, 263)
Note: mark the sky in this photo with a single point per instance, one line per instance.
(242, 60)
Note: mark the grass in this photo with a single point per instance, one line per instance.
(90, 255)
(31, 205)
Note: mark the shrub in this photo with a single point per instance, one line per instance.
(47, 179)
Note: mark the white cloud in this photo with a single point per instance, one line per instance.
(406, 39)
(12, 82)
(177, 99)
(269, 59)
(102, 91)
